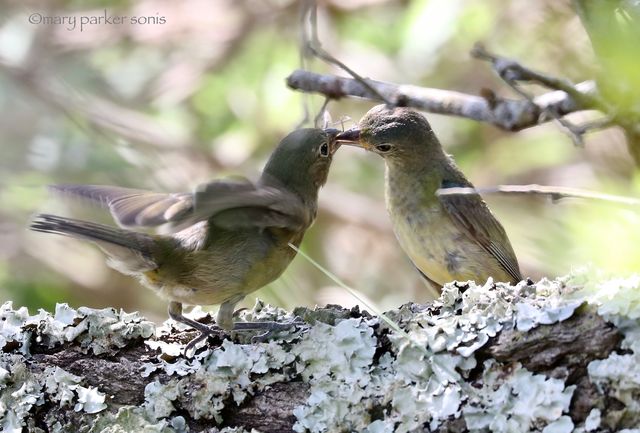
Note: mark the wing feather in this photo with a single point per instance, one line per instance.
(229, 203)
(470, 213)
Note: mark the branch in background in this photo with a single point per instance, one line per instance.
(513, 72)
(313, 44)
(509, 114)
(310, 45)
(554, 192)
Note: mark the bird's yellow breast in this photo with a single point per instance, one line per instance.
(436, 246)
(215, 274)
(427, 238)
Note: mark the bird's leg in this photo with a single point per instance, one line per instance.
(225, 321)
(269, 328)
(175, 312)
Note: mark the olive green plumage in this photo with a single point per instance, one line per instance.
(230, 237)
(454, 237)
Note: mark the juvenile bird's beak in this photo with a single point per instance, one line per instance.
(351, 138)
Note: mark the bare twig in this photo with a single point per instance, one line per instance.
(510, 70)
(509, 114)
(513, 73)
(554, 192)
(313, 44)
(302, 58)
(322, 114)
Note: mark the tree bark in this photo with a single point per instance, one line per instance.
(90, 370)
(509, 114)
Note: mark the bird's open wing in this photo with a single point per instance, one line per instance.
(231, 203)
(250, 206)
(132, 207)
(471, 214)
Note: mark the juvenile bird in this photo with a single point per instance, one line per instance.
(231, 237)
(449, 237)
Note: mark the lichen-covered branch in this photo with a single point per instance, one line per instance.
(509, 114)
(513, 73)
(558, 356)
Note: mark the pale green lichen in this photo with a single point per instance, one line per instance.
(93, 330)
(615, 298)
(230, 372)
(564, 424)
(226, 372)
(159, 399)
(97, 330)
(132, 419)
(64, 388)
(362, 375)
(593, 420)
(516, 402)
(338, 374)
(424, 381)
(618, 376)
(61, 386)
(90, 400)
(21, 390)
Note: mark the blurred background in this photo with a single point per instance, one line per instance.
(196, 89)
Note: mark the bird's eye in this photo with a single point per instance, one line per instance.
(324, 149)
(383, 148)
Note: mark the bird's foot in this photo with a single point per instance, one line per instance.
(175, 312)
(205, 332)
(269, 328)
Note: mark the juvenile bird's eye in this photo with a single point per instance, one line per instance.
(324, 149)
(383, 147)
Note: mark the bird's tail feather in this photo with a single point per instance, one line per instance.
(130, 251)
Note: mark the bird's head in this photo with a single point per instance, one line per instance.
(301, 161)
(396, 133)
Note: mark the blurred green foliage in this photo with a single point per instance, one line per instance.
(169, 106)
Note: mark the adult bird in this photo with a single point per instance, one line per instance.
(230, 237)
(447, 237)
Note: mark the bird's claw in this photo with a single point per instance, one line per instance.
(275, 327)
(192, 344)
(204, 334)
(269, 328)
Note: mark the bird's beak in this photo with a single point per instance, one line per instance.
(351, 138)
(332, 133)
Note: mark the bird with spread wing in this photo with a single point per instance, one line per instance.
(227, 239)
